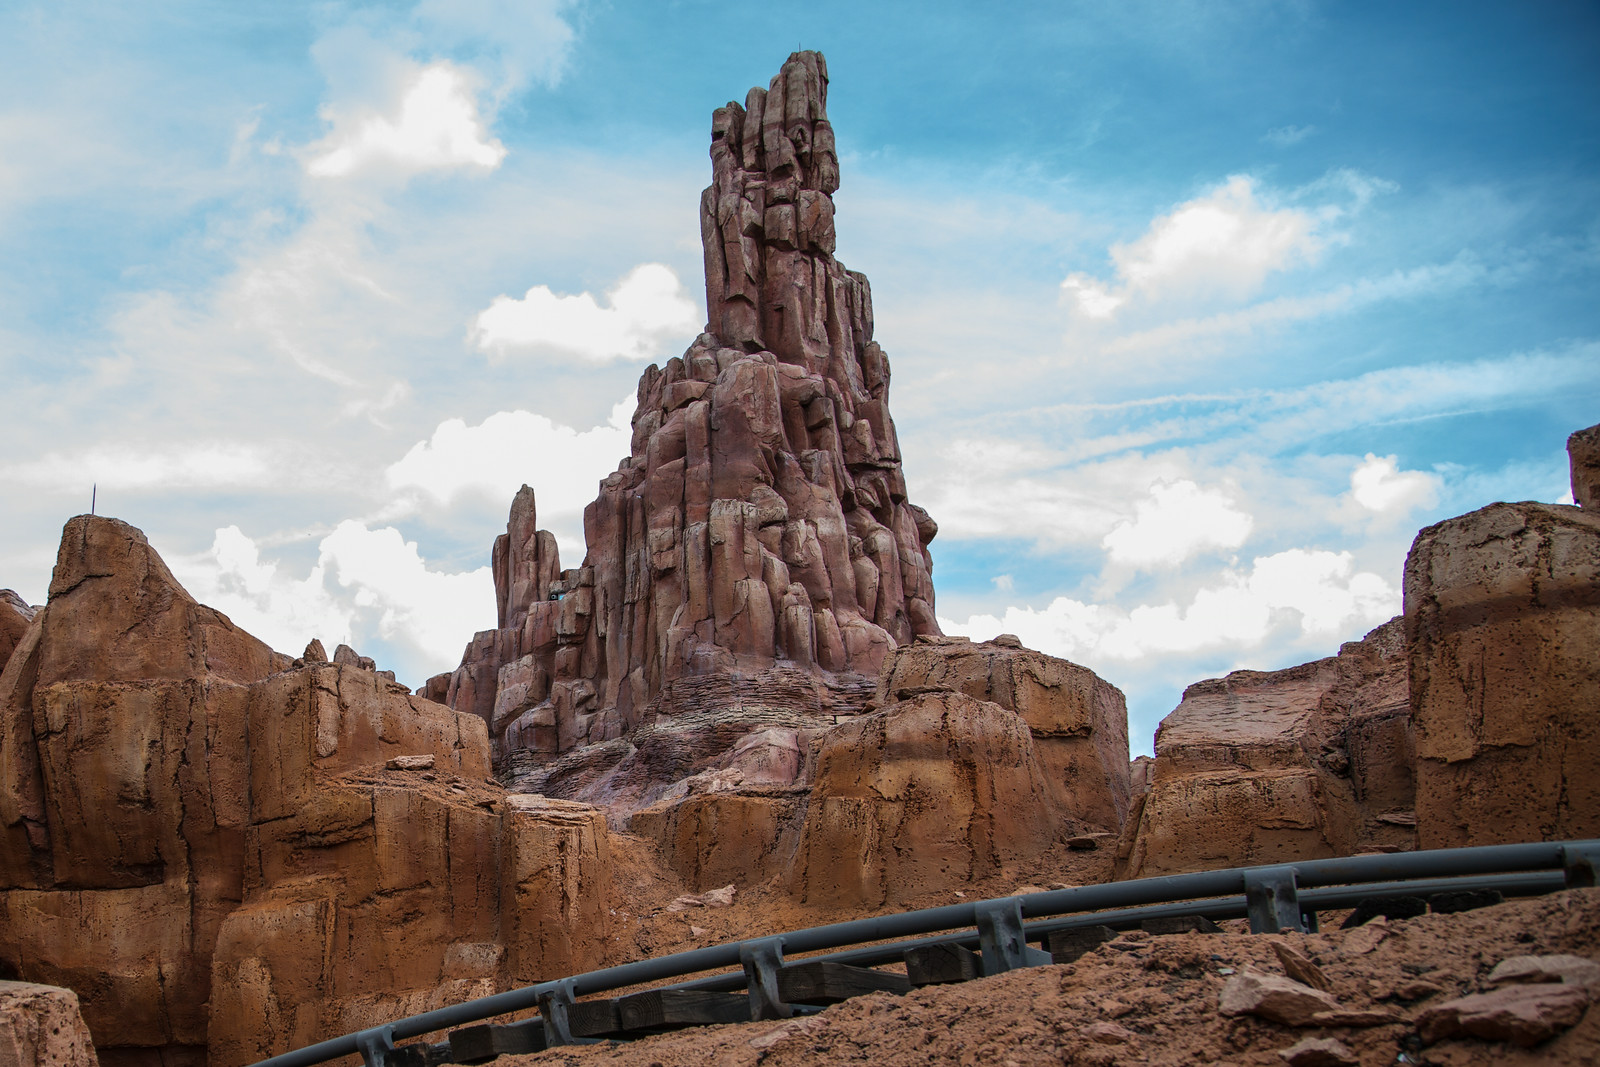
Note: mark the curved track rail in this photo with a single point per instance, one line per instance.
(1276, 897)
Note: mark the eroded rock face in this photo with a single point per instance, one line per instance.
(205, 842)
(1503, 617)
(1260, 767)
(15, 615)
(1583, 450)
(1079, 721)
(760, 522)
(929, 793)
(40, 1027)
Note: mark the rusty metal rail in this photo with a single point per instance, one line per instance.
(1274, 897)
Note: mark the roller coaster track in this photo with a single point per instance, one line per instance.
(760, 985)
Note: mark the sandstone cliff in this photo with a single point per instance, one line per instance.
(202, 839)
(1503, 615)
(1263, 766)
(758, 538)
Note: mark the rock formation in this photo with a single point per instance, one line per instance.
(1503, 614)
(15, 615)
(1583, 452)
(1079, 721)
(758, 537)
(40, 1026)
(1259, 767)
(205, 842)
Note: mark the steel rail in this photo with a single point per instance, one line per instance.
(1322, 884)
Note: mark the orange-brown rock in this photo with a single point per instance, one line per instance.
(210, 849)
(1259, 767)
(15, 615)
(1583, 452)
(40, 1026)
(933, 792)
(1078, 720)
(760, 522)
(1503, 619)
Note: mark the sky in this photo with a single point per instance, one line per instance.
(1197, 312)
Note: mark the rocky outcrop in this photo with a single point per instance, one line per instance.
(760, 522)
(1502, 610)
(1259, 767)
(40, 1027)
(1079, 721)
(15, 615)
(1583, 452)
(204, 841)
(933, 792)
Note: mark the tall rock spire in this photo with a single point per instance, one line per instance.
(757, 543)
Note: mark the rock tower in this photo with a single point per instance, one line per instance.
(757, 545)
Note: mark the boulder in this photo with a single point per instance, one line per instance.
(1262, 767)
(760, 525)
(40, 1027)
(1079, 721)
(930, 793)
(1502, 611)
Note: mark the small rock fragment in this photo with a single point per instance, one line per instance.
(1568, 970)
(1282, 1000)
(410, 763)
(1301, 969)
(1522, 1014)
(1356, 1019)
(1319, 1052)
(1104, 1033)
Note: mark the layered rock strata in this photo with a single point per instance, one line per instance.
(1261, 767)
(761, 520)
(1079, 721)
(1503, 614)
(202, 839)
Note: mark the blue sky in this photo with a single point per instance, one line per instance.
(1197, 311)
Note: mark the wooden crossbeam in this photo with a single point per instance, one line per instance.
(1067, 945)
(937, 964)
(824, 982)
(484, 1042)
(668, 1009)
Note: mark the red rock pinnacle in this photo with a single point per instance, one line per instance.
(760, 527)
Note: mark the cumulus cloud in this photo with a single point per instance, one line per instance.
(1174, 523)
(647, 310)
(1378, 485)
(434, 125)
(1308, 592)
(509, 448)
(366, 583)
(1225, 242)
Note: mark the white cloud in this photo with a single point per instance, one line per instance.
(1309, 592)
(434, 125)
(1378, 485)
(1004, 583)
(1225, 242)
(509, 448)
(204, 465)
(365, 583)
(1283, 136)
(648, 309)
(1176, 521)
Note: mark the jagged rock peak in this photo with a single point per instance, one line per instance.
(761, 519)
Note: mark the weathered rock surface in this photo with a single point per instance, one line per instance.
(1502, 609)
(1583, 452)
(1259, 767)
(15, 615)
(761, 520)
(204, 842)
(40, 1027)
(932, 792)
(1524, 1015)
(1079, 721)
